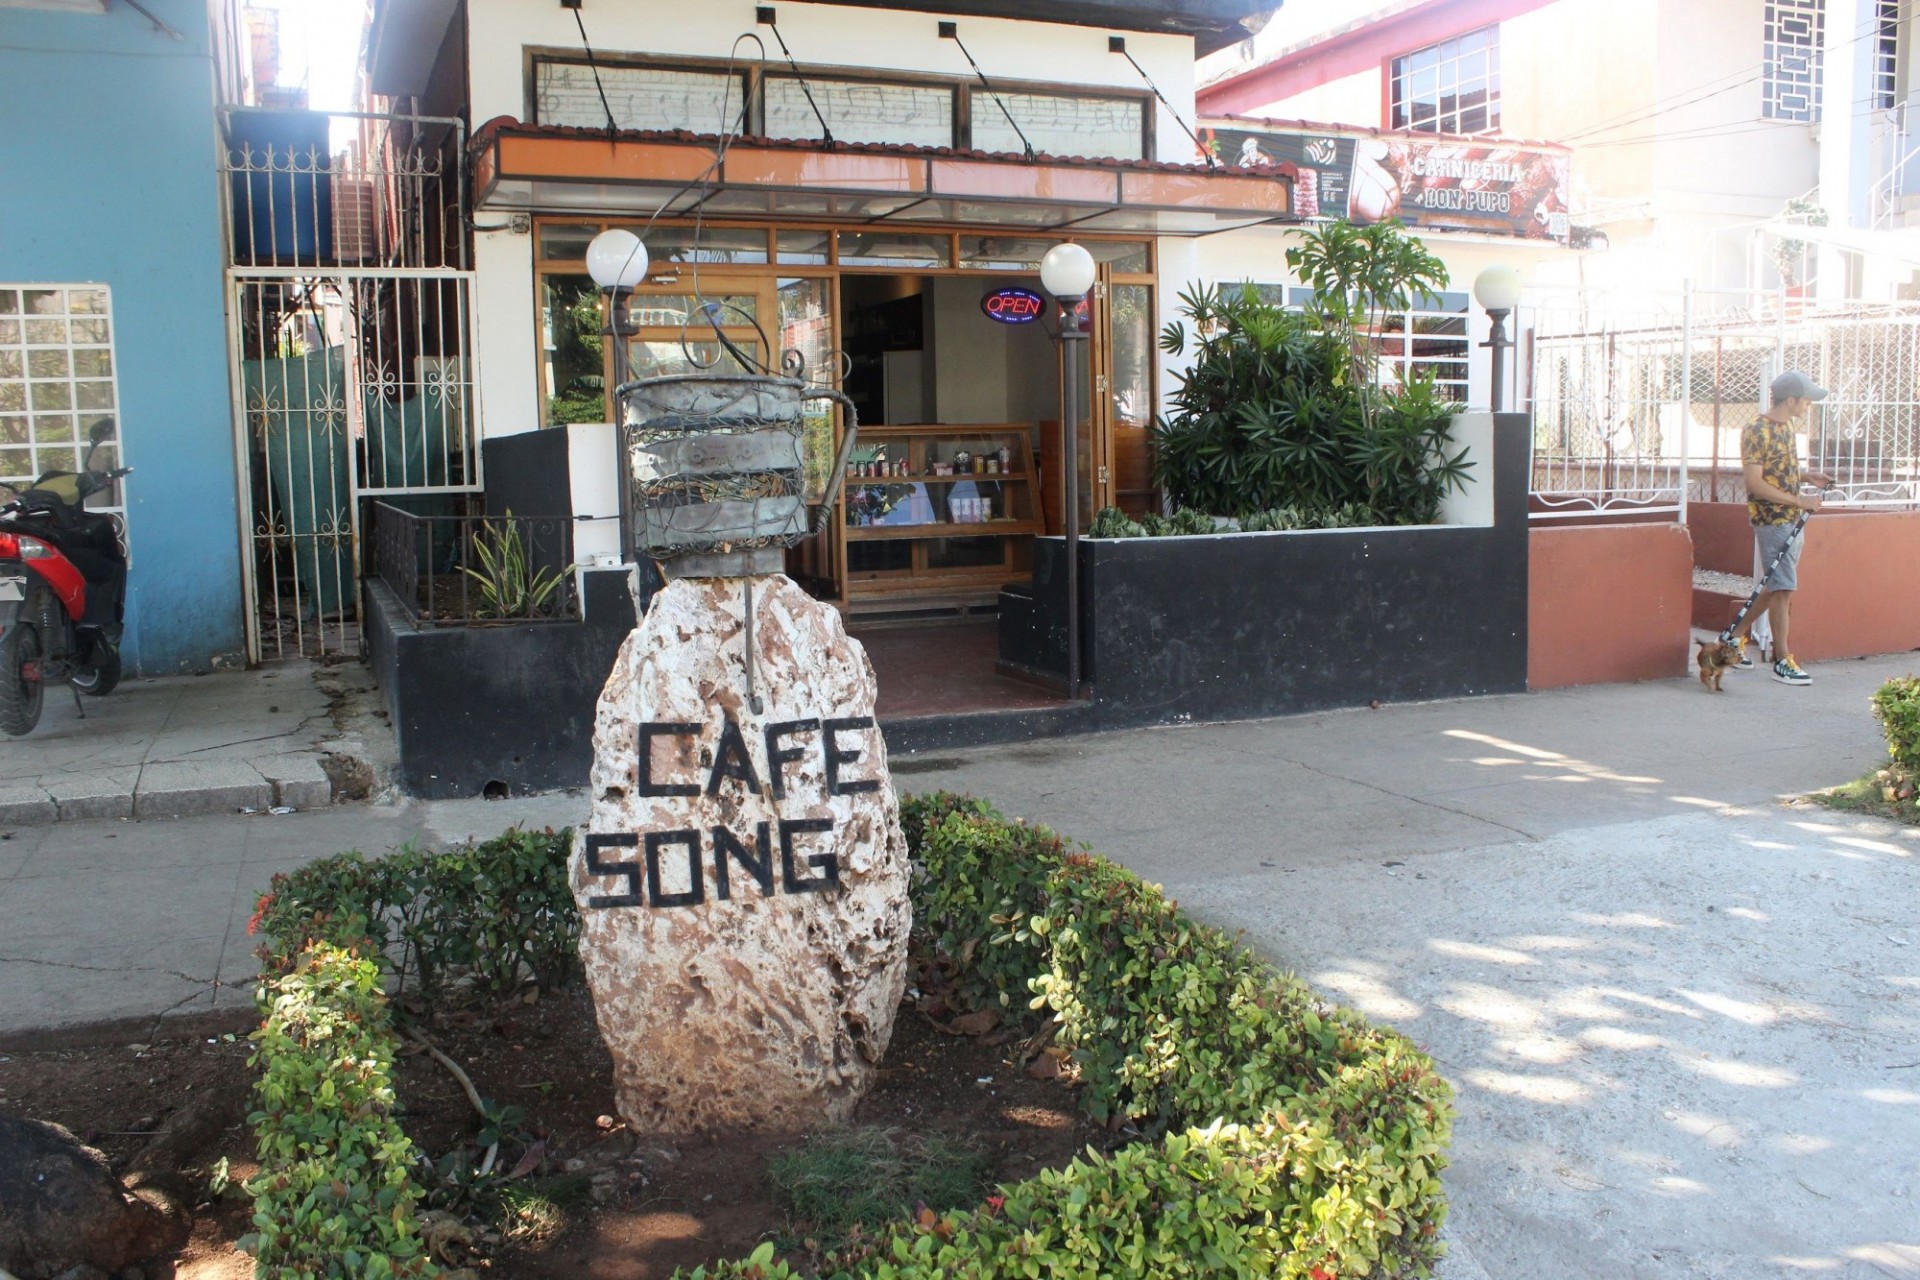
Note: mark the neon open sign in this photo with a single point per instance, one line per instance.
(1013, 306)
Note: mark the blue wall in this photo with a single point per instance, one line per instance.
(108, 173)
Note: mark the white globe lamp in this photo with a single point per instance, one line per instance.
(1067, 272)
(1498, 287)
(616, 259)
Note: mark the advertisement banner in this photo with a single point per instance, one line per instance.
(1447, 184)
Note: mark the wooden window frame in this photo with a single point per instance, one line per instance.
(753, 76)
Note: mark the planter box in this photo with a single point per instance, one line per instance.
(1235, 626)
(511, 704)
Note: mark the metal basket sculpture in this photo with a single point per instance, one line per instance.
(723, 471)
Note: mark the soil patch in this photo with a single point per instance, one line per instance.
(612, 1205)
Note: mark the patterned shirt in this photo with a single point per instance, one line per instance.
(1771, 444)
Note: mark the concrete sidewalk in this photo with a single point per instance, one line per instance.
(1681, 1016)
(186, 745)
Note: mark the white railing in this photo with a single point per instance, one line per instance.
(1638, 404)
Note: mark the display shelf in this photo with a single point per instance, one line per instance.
(944, 529)
(901, 541)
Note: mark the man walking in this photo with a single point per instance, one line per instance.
(1770, 456)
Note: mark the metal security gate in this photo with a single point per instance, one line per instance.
(350, 337)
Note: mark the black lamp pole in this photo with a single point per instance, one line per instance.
(1073, 338)
(1498, 342)
(617, 329)
(1069, 273)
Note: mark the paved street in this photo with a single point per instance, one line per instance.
(1682, 1017)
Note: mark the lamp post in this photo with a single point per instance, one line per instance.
(1067, 272)
(617, 261)
(1498, 290)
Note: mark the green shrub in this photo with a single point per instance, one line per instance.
(1896, 705)
(487, 912)
(1112, 522)
(333, 1199)
(1296, 1139)
(1281, 408)
(978, 882)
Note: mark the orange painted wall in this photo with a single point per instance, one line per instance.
(1608, 603)
(1722, 536)
(1859, 585)
(1859, 576)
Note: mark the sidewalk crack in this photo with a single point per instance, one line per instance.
(104, 968)
(1528, 836)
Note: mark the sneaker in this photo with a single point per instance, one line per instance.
(1787, 671)
(1745, 661)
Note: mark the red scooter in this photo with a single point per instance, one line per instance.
(63, 586)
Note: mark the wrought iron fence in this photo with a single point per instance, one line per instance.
(350, 342)
(459, 570)
(1638, 405)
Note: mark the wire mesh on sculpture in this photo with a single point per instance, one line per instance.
(728, 463)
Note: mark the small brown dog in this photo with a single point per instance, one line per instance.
(1714, 658)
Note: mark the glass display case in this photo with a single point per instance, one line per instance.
(938, 512)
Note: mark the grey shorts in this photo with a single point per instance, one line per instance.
(1767, 540)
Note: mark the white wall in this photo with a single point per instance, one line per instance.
(506, 339)
(823, 35)
(506, 334)
(1660, 100)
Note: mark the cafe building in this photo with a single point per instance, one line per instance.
(858, 195)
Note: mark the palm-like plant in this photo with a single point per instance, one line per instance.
(509, 584)
(1281, 409)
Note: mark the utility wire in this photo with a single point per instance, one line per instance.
(988, 85)
(594, 67)
(1117, 44)
(826, 130)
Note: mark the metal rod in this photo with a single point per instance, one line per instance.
(616, 331)
(753, 697)
(1073, 339)
(1497, 340)
(1686, 392)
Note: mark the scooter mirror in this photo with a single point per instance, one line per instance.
(101, 432)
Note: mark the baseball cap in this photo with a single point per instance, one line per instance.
(1795, 385)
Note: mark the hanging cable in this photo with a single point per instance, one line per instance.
(1118, 44)
(951, 31)
(594, 67)
(765, 14)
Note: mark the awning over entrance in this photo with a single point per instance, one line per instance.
(544, 169)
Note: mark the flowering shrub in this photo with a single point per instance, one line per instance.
(1294, 1139)
(333, 1199)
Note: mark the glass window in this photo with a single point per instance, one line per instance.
(887, 249)
(565, 242)
(677, 309)
(566, 93)
(1133, 355)
(1003, 253)
(705, 244)
(1060, 124)
(1886, 55)
(572, 350)
(56, 378)
(802, 247)
(860, 111)
(653, 359)
(1450, 87)
(1792, 33)
(1128, 257)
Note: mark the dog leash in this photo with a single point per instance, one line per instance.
(1759, 587)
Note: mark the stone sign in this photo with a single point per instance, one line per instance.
(742, 878)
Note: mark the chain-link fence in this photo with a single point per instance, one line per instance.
(1638, 404)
